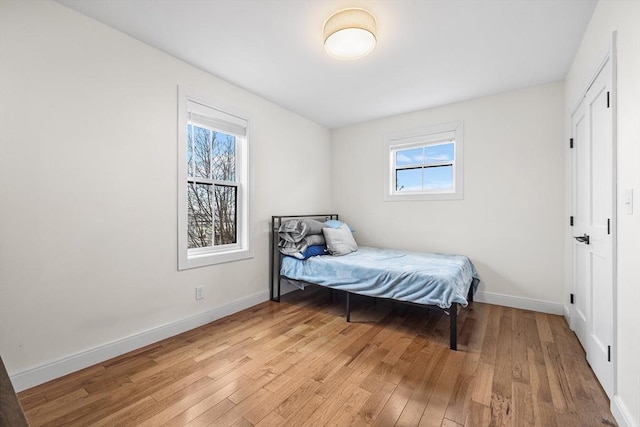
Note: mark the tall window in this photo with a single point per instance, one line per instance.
(425, 164)
(213, 178)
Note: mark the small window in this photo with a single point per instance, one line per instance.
(425, 164)
(212, 182)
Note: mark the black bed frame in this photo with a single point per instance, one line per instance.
(276, 277)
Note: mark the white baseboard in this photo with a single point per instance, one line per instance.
(518, 302)
(56, 369)
(621, 414)
(567, 315)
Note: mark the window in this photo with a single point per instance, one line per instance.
(212, 184)
(425, 164)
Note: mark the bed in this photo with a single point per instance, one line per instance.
(442, 282)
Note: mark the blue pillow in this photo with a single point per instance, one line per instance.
(334, 223)
(314, 250)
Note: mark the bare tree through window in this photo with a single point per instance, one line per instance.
(212, 187)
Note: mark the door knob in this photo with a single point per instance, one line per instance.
(583, 239)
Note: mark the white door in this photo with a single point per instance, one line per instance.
(592, 181)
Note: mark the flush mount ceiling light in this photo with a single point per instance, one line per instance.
(350, 34)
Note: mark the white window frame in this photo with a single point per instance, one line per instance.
(422, 137)
(199, 257)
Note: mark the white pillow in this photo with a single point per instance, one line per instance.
(340, 241)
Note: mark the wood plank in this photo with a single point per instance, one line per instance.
(501, 410)
(393, 407)
(279, 396)
(206, 418)
(374, 405)
(478, 415)
(544, 330)
(272, 420)
(298, 398)
(522, 405)
(234, 414)
(490, 339)
(126, 416)
(482, 384)
(543, 409)
(348, 411)
(435, 411)
(193, 405)
(340, 389)
(426, 378)
(304, 413)
(519, 362)
(560, 394)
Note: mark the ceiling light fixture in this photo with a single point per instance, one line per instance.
(350, 34)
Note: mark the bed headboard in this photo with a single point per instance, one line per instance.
(276, 256)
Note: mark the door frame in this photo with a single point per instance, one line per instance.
(609, 56)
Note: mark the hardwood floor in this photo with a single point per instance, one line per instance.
(298, 363)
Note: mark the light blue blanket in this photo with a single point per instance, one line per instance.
(421, 278)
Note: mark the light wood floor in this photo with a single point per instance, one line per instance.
(298, 363)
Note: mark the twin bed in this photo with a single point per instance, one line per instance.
(440, 281)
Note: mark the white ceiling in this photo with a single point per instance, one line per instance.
(429, 53)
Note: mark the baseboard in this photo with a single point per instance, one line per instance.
(519, 302)
(56, 369)
(621, 414)
(567, 315)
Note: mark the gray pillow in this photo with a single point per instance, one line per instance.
(315, 227)
(340, 241)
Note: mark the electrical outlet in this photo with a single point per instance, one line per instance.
(200, 292)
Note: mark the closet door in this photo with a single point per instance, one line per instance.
(592, 179)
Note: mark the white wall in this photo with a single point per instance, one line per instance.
(511, 220)
(623, 17)
(88, 190)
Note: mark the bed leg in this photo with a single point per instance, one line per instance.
(453, 327)
(470, 294)
(277, 296)
(279, 277)
(348, 308)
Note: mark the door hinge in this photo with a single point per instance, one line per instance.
(571, 298)
(608, 353)
(607, 99)
(570, 142)
(571, 221)
(608, 225)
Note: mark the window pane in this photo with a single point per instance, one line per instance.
(439, 153)
(409, 179)
(202, 152)
(415, 156)
(438, 178)
(225, 214)
(200, 220)
(224, 157)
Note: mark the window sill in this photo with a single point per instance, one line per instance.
(422, 196)
(202, 260)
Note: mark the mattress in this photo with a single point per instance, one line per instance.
(416, 277)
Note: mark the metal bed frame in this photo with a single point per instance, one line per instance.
(276, 277)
